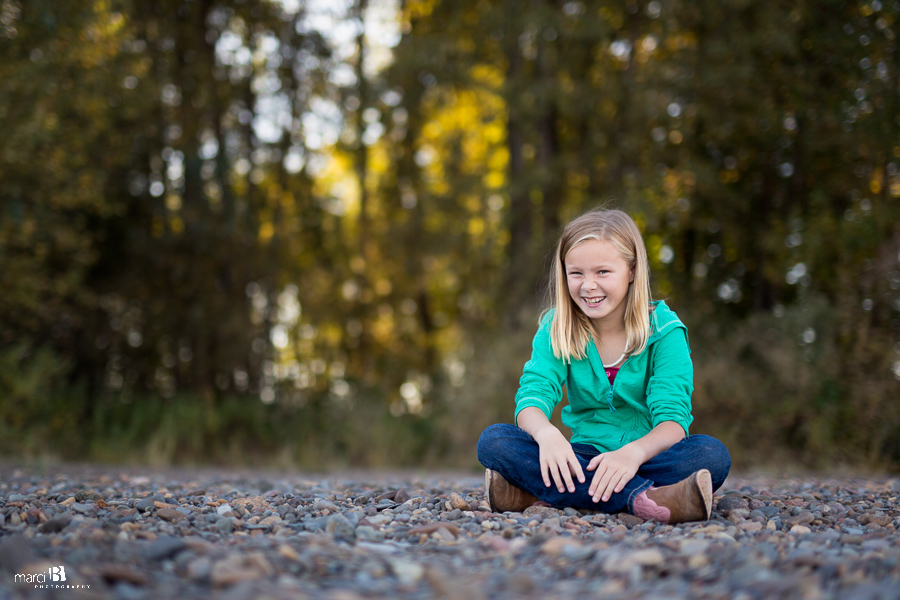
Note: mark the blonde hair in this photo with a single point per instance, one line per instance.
(572, 329)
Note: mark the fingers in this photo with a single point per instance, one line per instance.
(594, 462)
(611, 485)
(575, 468)
(545, 475)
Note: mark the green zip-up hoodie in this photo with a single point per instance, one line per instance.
(650, 388)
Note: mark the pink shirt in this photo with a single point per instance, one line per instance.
(611, 373)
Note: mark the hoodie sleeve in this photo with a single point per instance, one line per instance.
(543, 376)
(671, 380)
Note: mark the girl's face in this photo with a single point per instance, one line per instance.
(598, 279)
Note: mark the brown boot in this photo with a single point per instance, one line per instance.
(504, 496)
(688, 500)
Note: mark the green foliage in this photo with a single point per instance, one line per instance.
(194, 267)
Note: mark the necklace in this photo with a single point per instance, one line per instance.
(614, 363)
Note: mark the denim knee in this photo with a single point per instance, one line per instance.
(492, 442)
(716, 457)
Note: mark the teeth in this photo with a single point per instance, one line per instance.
(593, 301)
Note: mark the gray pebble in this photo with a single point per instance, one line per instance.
(340, 527)
(56, 524)
(164, 547)
(225, 525)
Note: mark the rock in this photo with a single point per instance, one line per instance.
(369, 534)
(288, 552)
(225, 525)
(629, 520)
(56, 524)
(731, 503)
(401, 496)
(650, 557)
(555, 545)
(169, 514)
(199, 569)
(880, 519)
(113, 573)
(271, 521)
(322, 504)
(750, 526)
(800, 529)
(82, 508)
(240, 568)
(88, 495)
(377, 520)
(804, 517)
(407, 571)
(223, 509)
(457, 501)
(164, 547)
(340, 527)
(544, 511)
(434, 527)
(143, 505)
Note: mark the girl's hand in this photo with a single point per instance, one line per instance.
(558, 459)
(613, 470)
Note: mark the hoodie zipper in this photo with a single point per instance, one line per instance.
(609, 395)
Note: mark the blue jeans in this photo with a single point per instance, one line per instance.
(514, 454)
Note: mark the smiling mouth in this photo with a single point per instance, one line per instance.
(594, 301)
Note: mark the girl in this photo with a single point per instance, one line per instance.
(626, 366)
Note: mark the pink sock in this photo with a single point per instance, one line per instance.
(646, 508)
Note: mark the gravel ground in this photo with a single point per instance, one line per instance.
(134, 533)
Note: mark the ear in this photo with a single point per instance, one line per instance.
(631, 279)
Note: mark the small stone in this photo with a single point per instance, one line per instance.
(322, 504)
(239, 568)
(803, 518)
(800, 529)
(378, 520)
(457, 501)
(288, 552)
(143, 505)
(401, 496)
(731, 503)
(225, 525)
(649, 557)
(407, 571)
(880, 519)
(340, 527)
(56, 524)
(164, 547)
(629, 520)
(169, 514)
(365, 533)
(223, 508)
(271, 521)
(434, 527)
(750, 526)
(115, 573)
(544, 511)
(199, 569)
(82, 508)
(556, 545)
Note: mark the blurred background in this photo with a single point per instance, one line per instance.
(315, 233)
